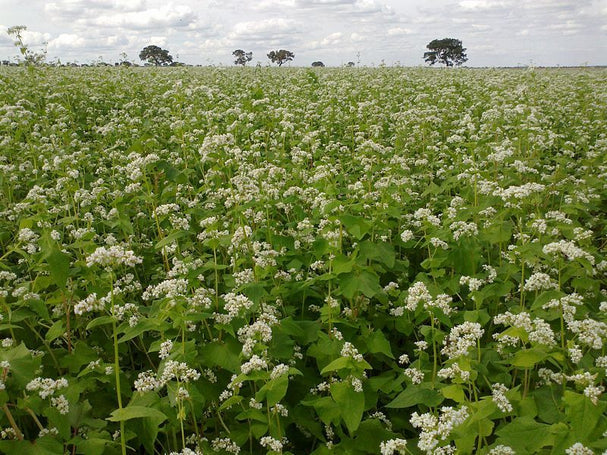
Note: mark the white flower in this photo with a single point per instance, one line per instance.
(499, 398)
(393, 445)
(273, 444)
(579, 449)
(461, 339)
(406, 235)
(502, 450)
(540, 282)
(113, 256)
(165, 349)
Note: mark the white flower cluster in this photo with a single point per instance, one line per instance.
(113, 256)
(241, 239)
(263, 255)
(538, 330)
(454, 372)
(499, 398)
(61, 404)
(461, 339)
(147, 380)
(187, 451)
(435, 429)
(29, 239)
(463, 229)
(519, 192)
(168, 288)
(474, 284)
(279, 370)
(89, 304)
(255, 363)
(566, 304)
(579, 449)
(414, 374)
(391, 446)
(165, 349)
(424, 214)
(502, 450)
(568, 249)
(46, 386)
(258, 331)
(273, 444)
(225, 444)
(349, 350)
(589, 332)
(594, 393)
(419, 293)
(406, 235)
(235, 303)
(540, 282)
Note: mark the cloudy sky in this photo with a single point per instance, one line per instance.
(495, 32)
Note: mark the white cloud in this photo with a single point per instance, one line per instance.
(334, 31)
(166, 16)
(399, 31)
(67, 41)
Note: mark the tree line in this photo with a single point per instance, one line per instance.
(446, 51)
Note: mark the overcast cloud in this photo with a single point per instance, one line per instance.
(495, 32)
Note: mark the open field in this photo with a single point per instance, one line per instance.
(298, 261)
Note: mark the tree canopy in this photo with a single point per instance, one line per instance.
(318, 64)
(156, 55)
(242, 57)
(448, 51)
(281, 56)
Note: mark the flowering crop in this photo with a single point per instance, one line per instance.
(284, 261)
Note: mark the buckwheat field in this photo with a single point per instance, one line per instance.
(294, 261)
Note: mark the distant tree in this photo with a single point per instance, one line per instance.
(448, 51)
(30, 57)
(350, 64)
(318, 64)
(155, 55)
(281, 56)
(242, 57)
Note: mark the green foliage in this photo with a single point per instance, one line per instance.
(448, 51)
(155, 55)
(298, 261)
(281, 56)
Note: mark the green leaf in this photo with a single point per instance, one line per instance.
(172, 237)
(414, 395)
(55, 331)
(353, 283)
(454, 392)
(146, 428)
(144, 325)
(337, 364)
(381, 251)
(235, 399)
(274, 390)
(92, 446)
(525, 435)
(499, 232)
(351, 403)
(342, 264)
(583, 415)
(355, 225)
(378, 343)
(135, 412)
(101, 320)
(326, 408)
(527, 358)
(224, 354)
(59, 266)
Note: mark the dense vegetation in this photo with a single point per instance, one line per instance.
(347, 261)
